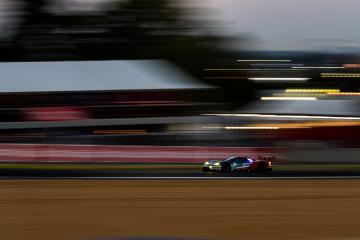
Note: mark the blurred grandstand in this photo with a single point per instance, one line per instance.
(89, 77)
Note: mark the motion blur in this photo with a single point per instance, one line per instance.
(140, 89)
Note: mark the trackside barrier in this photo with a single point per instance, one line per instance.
(123, 154)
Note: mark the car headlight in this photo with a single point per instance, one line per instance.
(206, 163)
(217, 164)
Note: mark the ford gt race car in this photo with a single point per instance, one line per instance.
(239, 164)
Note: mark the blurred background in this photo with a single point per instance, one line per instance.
(262, 76)
(158, 87)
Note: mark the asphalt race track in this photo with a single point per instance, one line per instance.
(180, 209)
(157, 202)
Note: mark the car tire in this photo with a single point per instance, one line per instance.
(261, 167)
(205, 170)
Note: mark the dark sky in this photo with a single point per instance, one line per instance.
(276, 24)
(293, 24)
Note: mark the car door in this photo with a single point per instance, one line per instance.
(248, 162)
(242, 163)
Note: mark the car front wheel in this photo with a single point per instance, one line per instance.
(205, 169)
(226, 168)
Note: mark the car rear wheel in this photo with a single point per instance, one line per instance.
(261, 167)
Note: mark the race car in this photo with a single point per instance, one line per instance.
(239, 164)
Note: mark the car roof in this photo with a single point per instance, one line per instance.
(232, 157)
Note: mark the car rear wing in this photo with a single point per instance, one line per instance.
(266, 158)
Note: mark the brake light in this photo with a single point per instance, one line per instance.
(269, 163)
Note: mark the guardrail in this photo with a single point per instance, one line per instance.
(123, 154)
